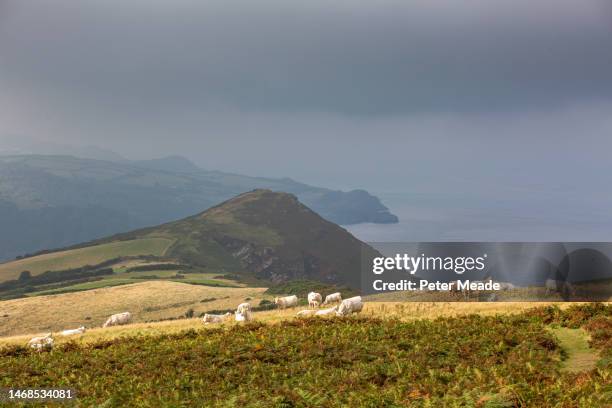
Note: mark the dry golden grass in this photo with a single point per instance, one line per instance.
(422, 310)
(403, 311)
(153, 300)
(98, 333)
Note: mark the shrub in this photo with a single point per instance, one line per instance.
(264, 304)
(229, 276)
(158, 267)
(24, 276)
(301, 288)
(469, 361)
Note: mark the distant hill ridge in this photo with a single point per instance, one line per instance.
(268, 234)
(50, 202)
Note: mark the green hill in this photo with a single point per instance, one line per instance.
(268, 234)
(61, 260)
(262, 235)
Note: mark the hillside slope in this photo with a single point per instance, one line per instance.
(260, 234)
(52, 201)
(271, 235)
(467, 361)
(62, 260)
(145, 300)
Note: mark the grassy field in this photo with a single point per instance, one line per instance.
(125, 265)
(153, 300)
(83, 256)
(98, 284)
(511, 360)
(127, 278)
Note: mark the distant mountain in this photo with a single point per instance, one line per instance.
(177, 164)
(18, 145)
(54, 201)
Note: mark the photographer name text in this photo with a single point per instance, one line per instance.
(423, 284)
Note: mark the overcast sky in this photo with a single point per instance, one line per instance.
(387, 95)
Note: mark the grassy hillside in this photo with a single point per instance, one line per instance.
(263, 234)
(146, 300)
(268, 234)
(471, 361)
(127, 278)
(21, 330)
(84, 256)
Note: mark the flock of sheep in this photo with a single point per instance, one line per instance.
(242, 314)
(46, 342)
(343, 307)
(243, 311)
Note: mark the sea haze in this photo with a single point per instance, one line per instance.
(432, 217)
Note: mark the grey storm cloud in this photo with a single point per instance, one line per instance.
(344, 93)
(356, 58)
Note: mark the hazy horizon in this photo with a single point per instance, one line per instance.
(504, 103)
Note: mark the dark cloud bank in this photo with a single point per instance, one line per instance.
(490, 99)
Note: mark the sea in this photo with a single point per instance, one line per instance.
(441, 217)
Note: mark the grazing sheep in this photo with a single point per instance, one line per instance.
(563, 287)
(506, 286)
(306, 313)
(354, 299)
(314, 299)
(71, 332)
(42, 343)
(285, 302)
(215, 318)
(351, 305)
(333, 298)
(118, 319)
(327, 312)
(243, 313)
